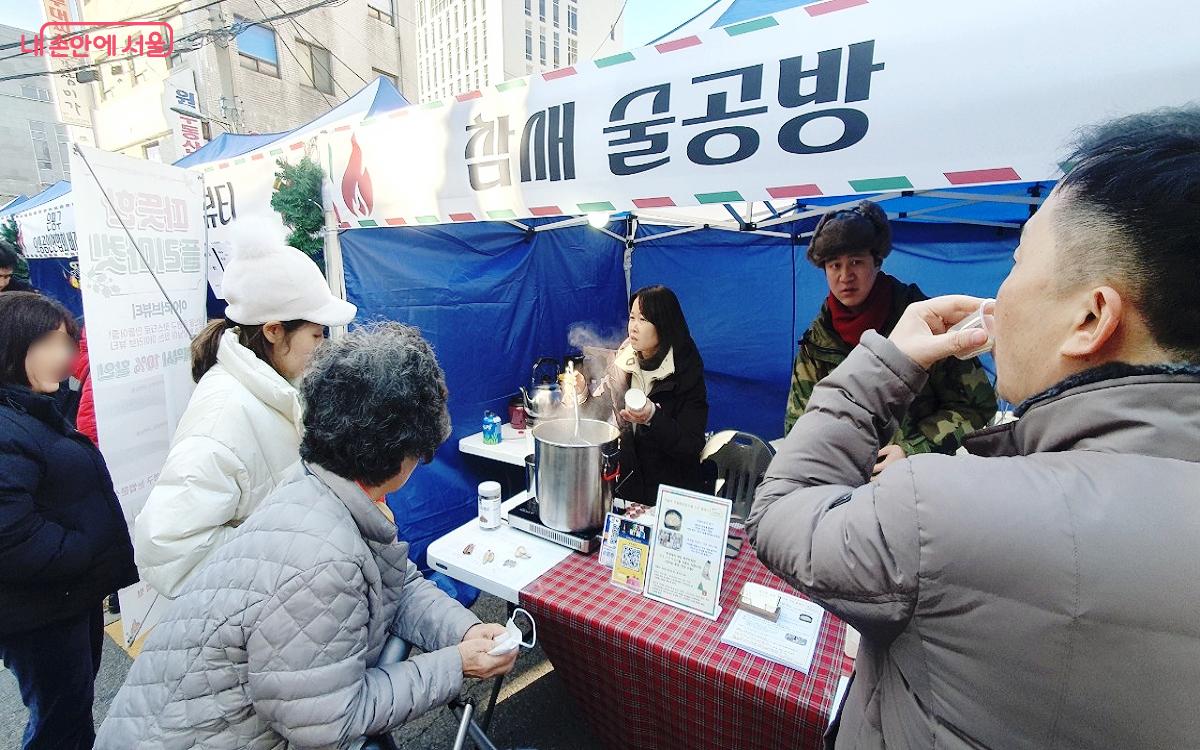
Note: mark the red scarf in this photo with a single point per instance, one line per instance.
(873, 313)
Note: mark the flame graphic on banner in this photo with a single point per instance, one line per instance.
(356, 183)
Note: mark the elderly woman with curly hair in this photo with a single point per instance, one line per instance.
(275, 642)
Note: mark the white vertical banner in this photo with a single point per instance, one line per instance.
(182, 110)
(141, 235)
(73, 99)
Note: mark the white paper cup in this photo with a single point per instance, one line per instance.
(635, 400)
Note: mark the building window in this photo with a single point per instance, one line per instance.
(318, 71)
(543, 48)
(572, 50)
(556, 58)
(556, 14)
(64, 149)
(30, 91)
(528, 43)
(151, 151)
(256, 48)
(41, 146)
(387, 75)
(572, 20)
(542, 10)
(381, 10)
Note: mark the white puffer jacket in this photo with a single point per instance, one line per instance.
(240, 433)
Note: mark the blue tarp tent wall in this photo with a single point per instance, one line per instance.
(491, 297)
(749, 298)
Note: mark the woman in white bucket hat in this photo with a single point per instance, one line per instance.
(242, 426)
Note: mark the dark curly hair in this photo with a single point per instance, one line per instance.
(9, 257)
(371, 400)
(863, 228)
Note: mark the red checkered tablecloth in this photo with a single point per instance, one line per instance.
(648, 675)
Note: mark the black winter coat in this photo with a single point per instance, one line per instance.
(64, 543)
(667, 450)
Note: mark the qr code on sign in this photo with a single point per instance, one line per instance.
(631, 557)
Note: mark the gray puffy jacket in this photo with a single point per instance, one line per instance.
(271, 643)
(1039, 594)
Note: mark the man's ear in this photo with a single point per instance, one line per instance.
(1096, 323)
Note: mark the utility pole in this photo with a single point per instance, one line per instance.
(231, 109)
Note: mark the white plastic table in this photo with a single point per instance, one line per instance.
(446, 555)
(512, 449)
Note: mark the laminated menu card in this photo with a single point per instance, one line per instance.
(687, 550)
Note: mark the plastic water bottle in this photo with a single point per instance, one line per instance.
(491, 429)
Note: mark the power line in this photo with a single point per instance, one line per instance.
(204, 36)
(288, 47)
(11, 45)
(138, 17)
(312, 60)
(300, 26)
(613, 27)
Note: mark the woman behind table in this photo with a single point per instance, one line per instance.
(275, 641)
(850, 245)
(241, 429)
(660, 444)
(64, 544)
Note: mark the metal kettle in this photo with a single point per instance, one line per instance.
(544, 394)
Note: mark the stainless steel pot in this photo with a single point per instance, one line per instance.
(575, 474)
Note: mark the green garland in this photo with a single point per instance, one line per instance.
(297, 198)
(9, 231)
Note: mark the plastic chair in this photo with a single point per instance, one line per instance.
(741, 460)
(396, 649)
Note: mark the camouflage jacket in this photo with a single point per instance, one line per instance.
(957, 400)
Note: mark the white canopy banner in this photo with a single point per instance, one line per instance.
(48, 230)
(831, 98)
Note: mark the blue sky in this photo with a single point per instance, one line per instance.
(645, 20)
(27, 14)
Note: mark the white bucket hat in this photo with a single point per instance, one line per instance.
(269, 280)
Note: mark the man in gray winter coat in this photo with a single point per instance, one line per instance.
(274, 642)
(1041, 593)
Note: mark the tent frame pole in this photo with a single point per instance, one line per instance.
(335, 270)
